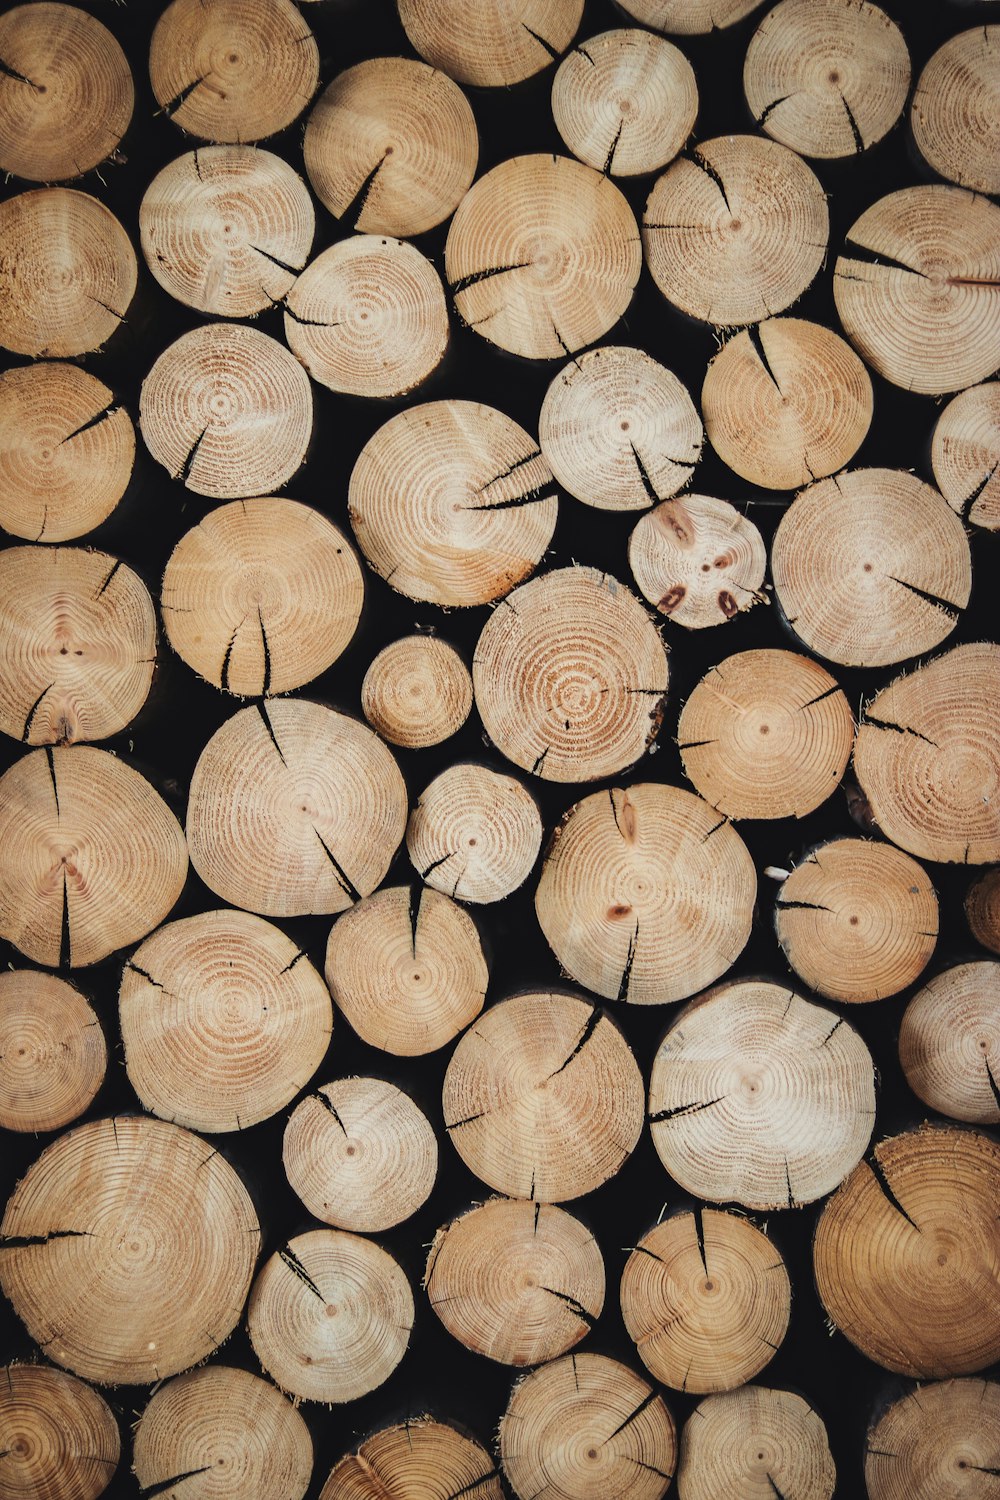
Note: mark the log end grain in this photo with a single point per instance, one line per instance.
(755, 1441)
(955, 110)
(420, 1455)
(474, 833)
(417, 692)
(60, 1437)
(53, 1055)
(945, 1435)
(949, 1043)
(965, 454)
(490, 46)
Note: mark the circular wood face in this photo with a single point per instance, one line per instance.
(53, 1055)
(688, 17)
(490, 46)
(474, 834)
(943, 1436)
(965, 454)
(955, 110)
(420, 1457)
(949, 1043)
(417, 692)
(982, 909)
(698, 560)
(745, 1444)
(62, 1437)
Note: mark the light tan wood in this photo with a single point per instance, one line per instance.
(407, 969)
(53, 1055)
(753, 1443)
(360, 1154)
(542, 256)
(646, 893)
(330, 1316)
(228, 411)
(915, 288)
(474, 833)
(982, 909)
(391, 146)
(759, 1097)
(543, 1097)
(698, 560)
(294, 810)
(570, 676)
(939, 1440)
(587, 1428)
(225, 229)
(421, 1459)
(489, 45)
(517, 1282)
(93, 857)
(965, 454)
(67, 273)
(452, 502)
(619, 429)
(60, 1438)
(786, 402)
(857, 920)
(222, 1432)
(955, 109)
(737, 231)
(871, 567)
(906, 1255)
(625, 101)
(368, 317)
(417, 692)
(262, 596)
(223, 1021)
(949, 1043)
(688, 17)
(827, 77)
(233, 70)
(127, 1249)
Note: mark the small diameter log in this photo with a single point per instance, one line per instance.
(330, 1316)
(516, 1282)
(77, 644)
(939, 1440)
(53, 1055)
(736, 231)
(420, 1457)
(871, 567)
(66, 92)
(221, 1432)
(452, 503)
(294, 810)
(827, 77)
(570, 678)
(225, 229)
(368, 317)
(965, 455)
(262, 596)
(982, 910)
(417, 692)
(486, 45)
(94, 858)
(646, 894)
(59, 1437)
(542, 256)
(228, 411)
(760, 1097)
(407, 969)
(474, 834)
(915, 288)
(587, 1428)
(688, 17)
(619, 429)
(706, 1299)
(233, 70)
(927, 757)
(360, 1154)
(543, 1098)
(67, 273)
(698, 560)
(905, 1254)
(626, 102)
(127, 1250)
(223, 1021)
(949, 1043)
(857, 920)
(786, 402)
(754, 1444)
(391, 146)
(955, 110)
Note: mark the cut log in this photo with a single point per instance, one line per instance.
(53, 1055)
(407, 970)
(487, 45)
(736, 231)
(755, 1444)
(905, 1254)
(516, 1282)
(760, 1097)
(955, 110)
(543, 1098)
(706, 1299)
(223, 1020)
(857, 920)
(698, 560)
(262, 596)
(391, 146)
(60, 1437)
(982, 910)
(228, 411)
(542, 256)
(688, 17)
(417, 692)
(646, 894)
(420, 1457)
(943, 1437)
(965, 455)
(94, 858)
(127, 1250)
(474, 834)
(294, 810)
(222, 1430)
(827, 77)
(949, 1043)
(360, 1154)
(330, 1316)
(870, 567)
(67, 273)
(226, 229)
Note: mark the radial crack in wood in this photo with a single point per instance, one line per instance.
(474, 834)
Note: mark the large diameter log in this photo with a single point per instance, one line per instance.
(474, 833)
(965, 454)
(941, 1439)
(949, 1043)
(417, 692)
(982, 909)
(754, 1444)
(127, 1250)
(955, 110)
(688, 17)
(487, 45)
(53, 1055)
(419, 1458)
(60, 1438)
(698, 560)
